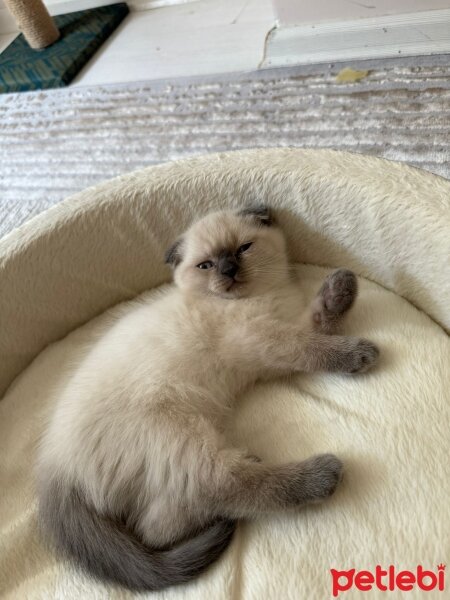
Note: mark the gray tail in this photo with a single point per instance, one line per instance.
(106, 549)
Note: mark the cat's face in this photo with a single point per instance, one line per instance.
(231, 255)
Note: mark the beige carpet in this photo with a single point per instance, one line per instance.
(55, 143)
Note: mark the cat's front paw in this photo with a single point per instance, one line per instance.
(359, 357)
(339, 291)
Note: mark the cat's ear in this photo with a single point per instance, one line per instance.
(173, 256)
(262, 214)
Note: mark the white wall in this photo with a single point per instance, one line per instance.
(297, 12)
(7, 23)
(58, 7)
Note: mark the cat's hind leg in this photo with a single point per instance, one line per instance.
(333, 301)
(245, 488)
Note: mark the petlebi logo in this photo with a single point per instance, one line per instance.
(388, 580)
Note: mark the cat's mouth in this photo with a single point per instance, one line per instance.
(233, 284)
(229, 288)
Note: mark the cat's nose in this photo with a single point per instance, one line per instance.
(228, 267)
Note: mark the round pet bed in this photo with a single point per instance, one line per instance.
(386, 221)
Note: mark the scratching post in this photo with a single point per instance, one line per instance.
(82, 32)
(34, 22)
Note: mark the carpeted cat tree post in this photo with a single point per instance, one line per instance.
(34, 22)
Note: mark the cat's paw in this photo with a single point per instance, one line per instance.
(339, 291)
(359, 357)
(318, 478)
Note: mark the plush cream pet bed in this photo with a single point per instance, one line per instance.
(386, 221)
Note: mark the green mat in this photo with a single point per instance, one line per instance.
(82, 33)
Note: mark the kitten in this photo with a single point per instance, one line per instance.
(136, 481)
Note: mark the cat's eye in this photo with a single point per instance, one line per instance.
(244, 247)
(205, 265)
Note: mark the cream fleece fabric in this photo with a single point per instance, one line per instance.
(390, 224)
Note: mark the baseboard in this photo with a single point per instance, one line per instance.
(426, 32)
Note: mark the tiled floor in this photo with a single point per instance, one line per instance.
(196, 38)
